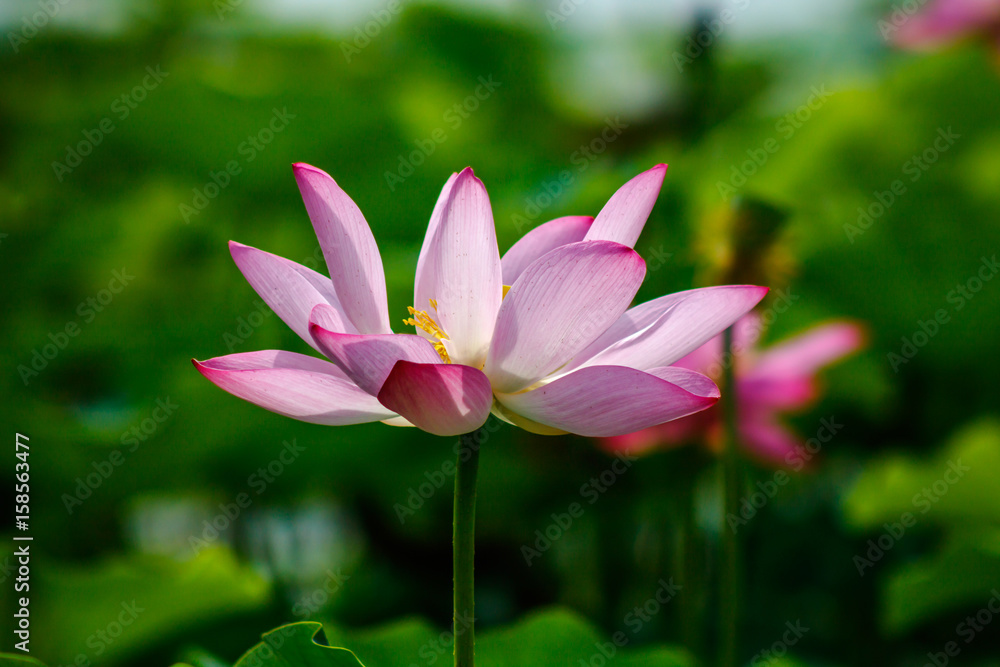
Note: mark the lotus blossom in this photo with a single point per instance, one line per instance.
(769, 383)
(543, 338)
(945, 21)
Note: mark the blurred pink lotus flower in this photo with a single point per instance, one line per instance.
(558, 351)
(769, 383)
(944, 21)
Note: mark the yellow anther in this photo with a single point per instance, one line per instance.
(421, 320)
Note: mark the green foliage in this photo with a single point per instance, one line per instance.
(297, 645)
(901, 482)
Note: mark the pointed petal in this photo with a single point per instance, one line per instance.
(623, 217)
(540, 240)
(558, 306)
(692, 381)
(443, 399)
(460, 270)
(351, 254)
(294, 385)
(429, 241)
(604, 401)
(367, 360)
(660, 332)
(291, 290)
(806, 353)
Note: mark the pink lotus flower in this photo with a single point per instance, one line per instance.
(945, 21)
(558, 351)
(769, 383)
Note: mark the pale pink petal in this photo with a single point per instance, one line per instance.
(291, 290)
(683, 325)
(692, 381)
(351, 254)
(443, 399)
(540, 240)
(558, 306)
(294, 385)
(807, 352)
(604, 401)
(422, 275)
(367, 360)
(623, 217)
(460, 270)
(328, 318)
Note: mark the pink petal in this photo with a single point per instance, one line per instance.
(460, 270)
(623, 217)
(942, 21)
(777, 393)
(432, 227)
(604, 401)
(660, 332)
(540, 240)
(291, 290)
(806, 353)
(689, 380)
(663, 436)
(558, 306)
(367, 360)
(294, 385)
(443, 399)
(769, 442)
(351, 254)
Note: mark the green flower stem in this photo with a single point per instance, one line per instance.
(467, 469)
(729, 580)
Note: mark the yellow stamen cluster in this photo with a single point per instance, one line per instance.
(421, 320)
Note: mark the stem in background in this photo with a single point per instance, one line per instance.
(690, 557)
(464, 527)
(729, 580)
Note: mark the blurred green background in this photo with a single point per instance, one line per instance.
(136, 139)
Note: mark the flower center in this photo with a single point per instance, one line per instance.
(421, 320)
